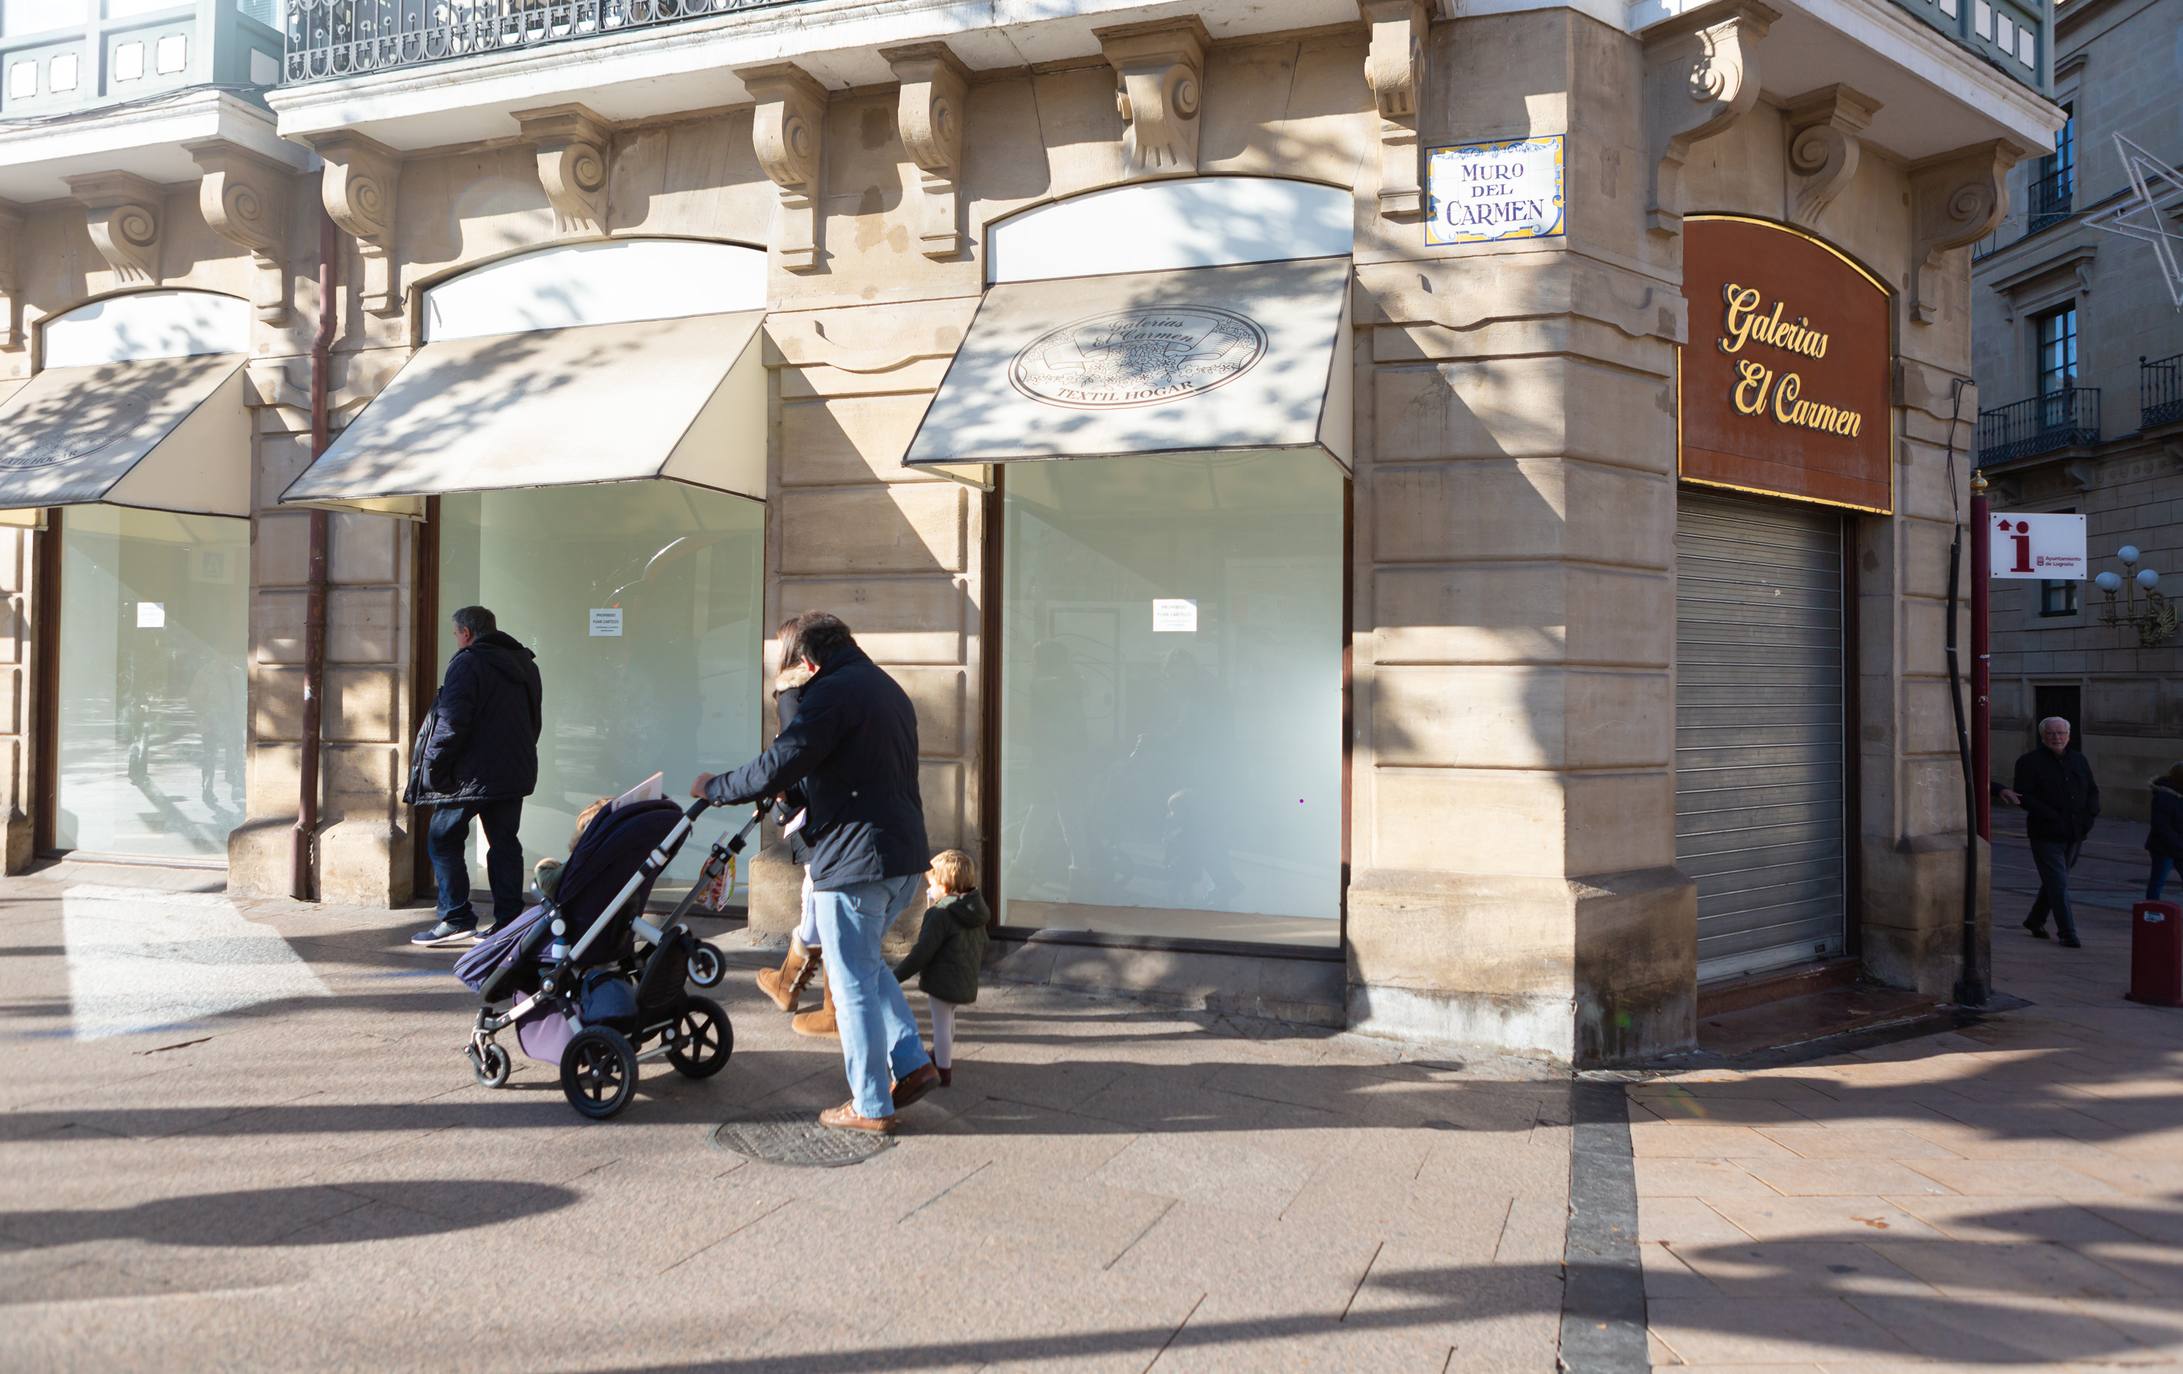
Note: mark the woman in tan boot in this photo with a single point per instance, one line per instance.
(785, 984)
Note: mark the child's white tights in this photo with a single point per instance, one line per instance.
(943, 1033)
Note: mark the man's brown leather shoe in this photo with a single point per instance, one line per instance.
(845, 1118)
(920, 1082)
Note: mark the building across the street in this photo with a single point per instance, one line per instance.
(1391, 517)
(2078, 351)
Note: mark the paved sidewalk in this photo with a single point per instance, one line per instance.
(2006, 1196)
(244, 1137)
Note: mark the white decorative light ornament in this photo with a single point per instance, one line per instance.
(2108, 582)
(2148, 579)
(2128, 553)
(2138, 215)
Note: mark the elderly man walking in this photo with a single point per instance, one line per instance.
(2054, 786)
(853, 746)
(477, 758)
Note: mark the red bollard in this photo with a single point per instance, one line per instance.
(2156, 954)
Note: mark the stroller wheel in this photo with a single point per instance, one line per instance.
(706, 966)
(704, 1039)
(492, 1067)
(598, 1072)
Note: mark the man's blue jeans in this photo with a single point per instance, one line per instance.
(448, 835)
(2054, 860)
(2158, 878)
(878, 1033)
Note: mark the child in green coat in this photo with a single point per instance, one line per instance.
(950, 947)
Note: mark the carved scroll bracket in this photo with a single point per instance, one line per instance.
(244, 198)
(929, 114)
(11, 284)
(359, 183)
(1825, 129)
(789, 136)
(1956, 199)
(1394, 67)
(125, 218)
(1159, 70)
(1701, 76)
(575, 161)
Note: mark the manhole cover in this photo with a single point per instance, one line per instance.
(796, 1138)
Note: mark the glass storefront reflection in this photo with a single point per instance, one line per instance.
(641, 600)
(1171, 697)
(154, 639)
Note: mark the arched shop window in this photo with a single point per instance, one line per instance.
(642, 598)
(150, 718)
(1172, 621)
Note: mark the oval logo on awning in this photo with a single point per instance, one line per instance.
(1143, 355)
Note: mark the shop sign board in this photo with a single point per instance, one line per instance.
(1491, 192)
(606, 622)
(1785, 387)
(2048, 548)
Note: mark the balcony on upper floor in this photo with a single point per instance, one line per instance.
(2011, 36)
(2160, 392)
(2064, 419)
(337, 38)
(59, 57)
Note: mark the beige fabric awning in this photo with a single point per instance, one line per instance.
(683, 400)
(167, 434)
(1199, 360)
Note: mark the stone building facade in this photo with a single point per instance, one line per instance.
(1444, 614)
(2079, 359)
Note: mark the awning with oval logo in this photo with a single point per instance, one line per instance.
(1196, 360)
(682, 400)
(169, 434)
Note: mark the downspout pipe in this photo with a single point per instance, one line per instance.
(303, 876)
(1974, 987)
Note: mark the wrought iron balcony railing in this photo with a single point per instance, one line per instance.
(2068, 418)
(2160, 391)
(2049, 198)
(336, 38)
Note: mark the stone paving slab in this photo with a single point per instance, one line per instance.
(2008, 1195)
(197, 1179)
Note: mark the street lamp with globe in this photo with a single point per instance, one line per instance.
(2155, 621)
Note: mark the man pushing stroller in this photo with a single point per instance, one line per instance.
(852, 745)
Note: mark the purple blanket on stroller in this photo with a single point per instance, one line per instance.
(497, 950)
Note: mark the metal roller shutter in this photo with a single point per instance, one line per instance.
(1759, 732)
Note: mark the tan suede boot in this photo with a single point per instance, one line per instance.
(785, 984)
(819, 1024)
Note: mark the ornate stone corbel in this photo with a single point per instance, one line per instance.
(1394, 68)
(244, 198)
(1701, 75)
(11, 300)
(789, 135)
(1159, 72)
(1956, 199)
(575, 157)
(1824, 128)
(929, 115)
(124, 219)
(358, 185)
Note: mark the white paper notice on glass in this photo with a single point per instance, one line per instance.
(606, 622)
(1174, 616)
(151, 615)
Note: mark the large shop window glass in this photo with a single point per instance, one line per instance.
(641, 600)
(1171, 733)
(154, 637)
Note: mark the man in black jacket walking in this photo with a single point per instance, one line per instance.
(477, 757)
(853, 746)
(2054, 786)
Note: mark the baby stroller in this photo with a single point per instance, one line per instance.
(590, 984)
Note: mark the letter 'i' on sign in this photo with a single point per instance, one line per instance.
(2050, 548)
